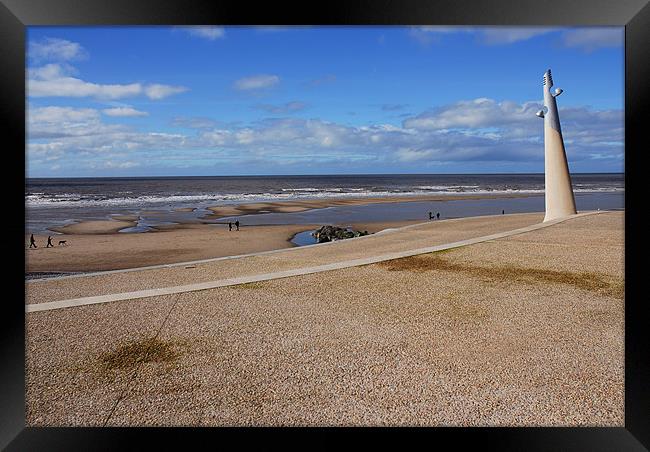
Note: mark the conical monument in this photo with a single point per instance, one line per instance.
(559, 198)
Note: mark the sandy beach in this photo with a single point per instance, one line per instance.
(96, 245)
(112, 251)
(523, 330)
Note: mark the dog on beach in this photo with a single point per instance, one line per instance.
(63, 242)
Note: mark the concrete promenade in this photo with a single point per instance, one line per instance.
(377, 254)
(521, 326)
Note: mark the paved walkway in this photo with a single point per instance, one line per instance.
(388, 237)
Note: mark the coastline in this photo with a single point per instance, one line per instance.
(119, 222)
(98, 245)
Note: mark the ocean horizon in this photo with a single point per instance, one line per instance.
(59, 201)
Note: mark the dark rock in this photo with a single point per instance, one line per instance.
(331, 233)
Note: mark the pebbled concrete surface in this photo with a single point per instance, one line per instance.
(525, 330)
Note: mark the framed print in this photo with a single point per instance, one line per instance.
(420, 215)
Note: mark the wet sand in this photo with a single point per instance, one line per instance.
(301, 206)
(96, 226)
(112, 251)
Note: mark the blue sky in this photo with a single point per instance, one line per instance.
(141, 101)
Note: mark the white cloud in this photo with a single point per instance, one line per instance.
(477, 130)
(157, 91)
(257, 82)
(592, 38)
(55, 49)
(124, 112)
(210, 33)
(62, 122)
(61, 114)
(52, 80)
(50, 71)
(73, 87)
(481, 112)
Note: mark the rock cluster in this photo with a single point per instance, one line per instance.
(331, 233)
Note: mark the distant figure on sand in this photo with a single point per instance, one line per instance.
(230, 225)
(237, 224)
(49, 242)
(32, 242)
(438, 215)
(503, 212)
(430, 215)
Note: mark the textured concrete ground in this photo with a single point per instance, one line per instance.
(526, 330)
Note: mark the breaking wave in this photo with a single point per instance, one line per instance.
(41, 199)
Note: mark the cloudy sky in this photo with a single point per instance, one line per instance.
(155, 101)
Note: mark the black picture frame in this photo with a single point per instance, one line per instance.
(15, 15)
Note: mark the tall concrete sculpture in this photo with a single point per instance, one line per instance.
(559, 198)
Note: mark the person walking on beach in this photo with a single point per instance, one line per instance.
(438, 215)
(237, 224)
(503, 212)
(430, 215)
(49, 242)
(32, 242)
(230, 225)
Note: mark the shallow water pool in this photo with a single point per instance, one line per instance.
(304, 238)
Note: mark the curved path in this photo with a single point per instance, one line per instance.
(398, 236)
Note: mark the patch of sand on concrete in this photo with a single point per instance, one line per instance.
(133, 353)
(509, 273)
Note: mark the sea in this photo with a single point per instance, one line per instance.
(54, 202)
